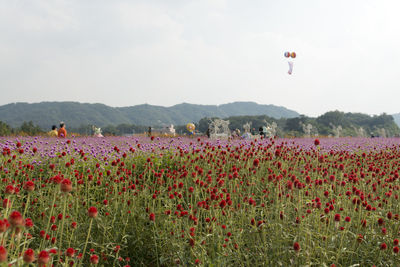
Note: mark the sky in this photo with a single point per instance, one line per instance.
(166, 52)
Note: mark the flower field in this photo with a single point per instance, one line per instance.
(140, 201)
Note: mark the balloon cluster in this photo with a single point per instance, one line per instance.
(288, 54)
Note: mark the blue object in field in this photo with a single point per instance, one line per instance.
(246, 136)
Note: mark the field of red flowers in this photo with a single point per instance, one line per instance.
(127, 201)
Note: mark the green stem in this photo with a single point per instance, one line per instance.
(26, 205)
(155, 243)
(86, 242)
(48, 221)
(62, 226)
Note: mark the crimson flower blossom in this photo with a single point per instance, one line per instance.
(92, 212)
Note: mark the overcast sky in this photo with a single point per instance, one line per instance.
(165, 52)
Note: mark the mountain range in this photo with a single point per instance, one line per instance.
(75, 114)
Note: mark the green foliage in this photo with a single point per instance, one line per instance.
(27, 128)
(30, 129)
(324, 124)
(5, 129)
(229, 203)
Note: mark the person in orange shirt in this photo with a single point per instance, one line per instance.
(62, 132)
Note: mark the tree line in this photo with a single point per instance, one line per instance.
(26, 128)
(333, 123)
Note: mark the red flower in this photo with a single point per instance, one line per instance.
(222, 204)
(383, 246)
(9, 189)
(3, 254)
(396, 250)
(92, 212)
(29, 255)
(256, 162)
(347, 219)
(296, 246)
(152, 217)
(395, 242)
(70, 252)
(66, 185)
(94, 259)
(316, 142)
(4, 224)
(364, 222)
(16, 219)
(43, 257)
(28, 223)
(29, 186)
(337, 217)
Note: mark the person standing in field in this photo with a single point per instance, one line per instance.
(53, 132)
(62, 132)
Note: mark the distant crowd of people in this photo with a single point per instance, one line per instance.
(61, 132)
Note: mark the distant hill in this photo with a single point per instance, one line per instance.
(75, 114)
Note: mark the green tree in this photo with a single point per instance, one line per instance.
(30, 129)
(5, 129)
(110, 130)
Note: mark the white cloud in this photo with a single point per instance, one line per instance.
(38, 15)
